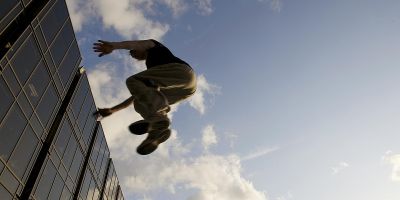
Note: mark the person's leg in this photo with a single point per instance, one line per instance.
(152, 104)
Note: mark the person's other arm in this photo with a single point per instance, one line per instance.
(105, 47)
(104, 112)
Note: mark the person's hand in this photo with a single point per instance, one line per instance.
(102, 112)
(103, 47)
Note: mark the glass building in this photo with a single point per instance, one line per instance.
(51, 146)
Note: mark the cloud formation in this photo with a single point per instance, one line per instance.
(210, 176)
(258, 153)
(339, 167)
(209, 137)
(394, 160)
(131, 18)
(198, 101)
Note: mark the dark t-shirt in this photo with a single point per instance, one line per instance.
(160, 55)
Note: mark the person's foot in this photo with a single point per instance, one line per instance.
(142, 126)
(152, 141)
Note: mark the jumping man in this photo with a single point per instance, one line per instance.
(166, 81)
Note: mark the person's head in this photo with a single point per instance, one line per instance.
(139, 55)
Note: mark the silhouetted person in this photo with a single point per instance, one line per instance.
(166, 81)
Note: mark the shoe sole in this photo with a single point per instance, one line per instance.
(139, 128)
(149, 145)
(142, 126)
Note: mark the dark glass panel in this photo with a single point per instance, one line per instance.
(91, 190)
(63, 137)
(26, 59)
(22, 154)
(47, 105)
(6, 6)
(9, 181)
(6, 98)
(10, 78)
(50, 62)
(66, 194)
(69, 64)
(25, 105)
(69, 152)
(80, 95)
(86, 184)
(76, 165)
(62, 43)
(10, 131)
(37, 127)
(46, 180)
(57, 188)
(54, 20)
(4, 194)
(83, 115)
(37, 84)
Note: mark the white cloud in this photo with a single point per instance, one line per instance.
(209, 137)
(394, 160)
(205, 6)
(197, 101)
(212, 177)
(178, 7)
(275, 5)
(78, 14)
(339, 167)
(131, 19)
(258, 153)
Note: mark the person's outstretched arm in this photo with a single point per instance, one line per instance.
(104, 112)
(105, 47)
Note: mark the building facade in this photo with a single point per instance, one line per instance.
(51, 146)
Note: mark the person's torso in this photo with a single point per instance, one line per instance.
(160, 55)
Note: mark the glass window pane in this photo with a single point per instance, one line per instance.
(22, 154)
(53, 21)
(69, 152)
(69, 65)
(10, 78)
(66, 194)
(76, 165)
(6, 98)
(63, 137)
(57, 188)
(26, 59)
(25, 105)
(10, 131)
(37, 84)
(9, 181)
(80, 95)
(46, 181)
(62, 43)
(47, 105)
(6, 7)
(4, 194)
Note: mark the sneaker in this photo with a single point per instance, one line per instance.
(152, 141)
(142, 126)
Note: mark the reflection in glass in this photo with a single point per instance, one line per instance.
(11, 130)
(22, 155)
(6, 98)
(37, 84)
(46, 181)
(25, 60)
(54, 20)
(47, 105)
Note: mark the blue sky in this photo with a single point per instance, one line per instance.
(297, 100)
